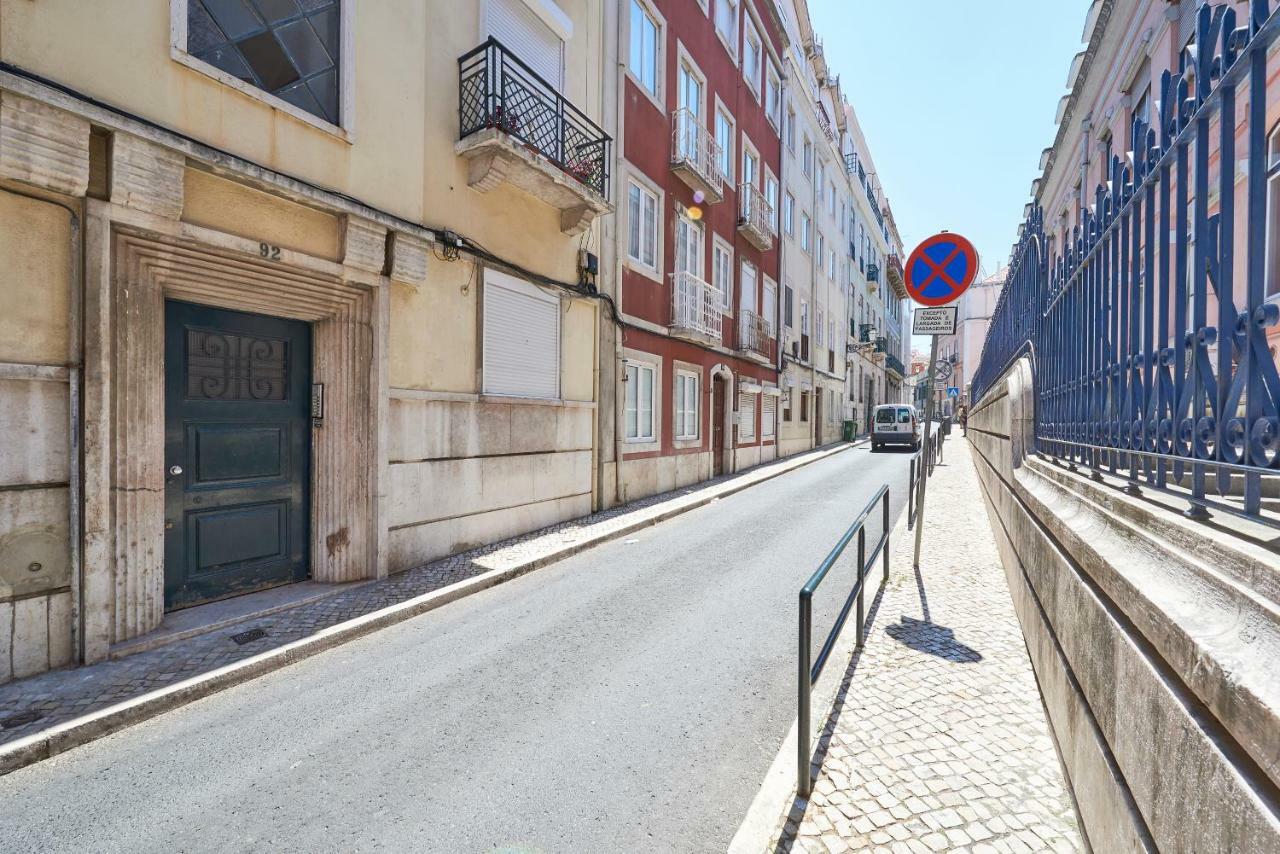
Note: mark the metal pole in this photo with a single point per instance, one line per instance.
(803, 782)
(862, 568)
(885, 522)
(928, 430)
(911, 495)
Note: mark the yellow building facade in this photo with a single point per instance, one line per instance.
(291, 291)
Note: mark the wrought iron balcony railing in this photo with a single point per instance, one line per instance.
(697, 309)
(695, 153)
(864, 332)
(894, 364)
(496, 89)
(755, 333)
(755, 217)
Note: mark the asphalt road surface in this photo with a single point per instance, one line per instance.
(630, 698)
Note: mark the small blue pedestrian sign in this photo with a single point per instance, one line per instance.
(953, 391)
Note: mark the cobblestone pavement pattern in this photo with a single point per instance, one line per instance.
(938, 740)
(63, 695)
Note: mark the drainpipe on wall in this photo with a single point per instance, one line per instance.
(612, 116)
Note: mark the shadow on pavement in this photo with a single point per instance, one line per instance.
(935, 640)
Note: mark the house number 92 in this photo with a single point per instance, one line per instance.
(266, 250)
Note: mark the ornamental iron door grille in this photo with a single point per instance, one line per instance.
(1148, 337)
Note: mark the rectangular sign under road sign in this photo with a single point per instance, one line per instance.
(934, 321)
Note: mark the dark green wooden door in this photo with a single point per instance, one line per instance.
(237, 452)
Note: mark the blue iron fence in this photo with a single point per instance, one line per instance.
(1132, 374)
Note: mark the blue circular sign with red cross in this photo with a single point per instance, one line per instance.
(941, 268)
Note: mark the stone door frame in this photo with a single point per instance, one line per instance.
(134, 262)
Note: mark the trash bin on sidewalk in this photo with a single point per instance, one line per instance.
(849, 431)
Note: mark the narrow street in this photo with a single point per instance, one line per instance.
(630, 698)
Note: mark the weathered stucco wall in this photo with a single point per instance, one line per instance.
(1152, 665)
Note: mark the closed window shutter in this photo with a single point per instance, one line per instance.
(1187, 10)
(768, 415)
(521, 338)
(746, 415)
(520, 30)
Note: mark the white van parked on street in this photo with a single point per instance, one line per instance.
(895, 424)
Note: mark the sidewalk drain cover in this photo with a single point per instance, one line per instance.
(20, 719)
(249, 636)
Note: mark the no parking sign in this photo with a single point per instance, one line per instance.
(940, 269)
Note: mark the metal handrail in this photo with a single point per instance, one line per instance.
(696, 306)
(922, 465)
(810, 670)
(496, 89)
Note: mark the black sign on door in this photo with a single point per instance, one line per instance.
(237, 452)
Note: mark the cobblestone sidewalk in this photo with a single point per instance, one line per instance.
(938, 740)
(53, 698)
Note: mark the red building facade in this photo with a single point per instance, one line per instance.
(698, 187)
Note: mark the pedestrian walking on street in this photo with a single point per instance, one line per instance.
(964, 420)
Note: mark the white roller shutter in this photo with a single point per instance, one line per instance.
(746, 415)
(521, 338)
(526, 35)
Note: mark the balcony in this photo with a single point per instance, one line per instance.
(695, 156)
(894, 272)
(873, 273)
(755, 335)
(894, 365)
(697, 309)
(881, 349)
(515, 128)
(755, 217)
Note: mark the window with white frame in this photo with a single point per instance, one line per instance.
(686, 417)
(769, 308)
(727, 22)
(822, 246)
(822, 328)
(722, 272)
(790, 129)
(724, 140)
(689, 241)
(806, 157)
(773, 96)
(789, 214)
(521, 338)
(804, 231)
(822, 177)
(290, 51)
(771, 196)
(831, 264)
(645, 44)
(752, 48)
(786, 404)
(642, 225)
(768, 416)
(1273, 212)
(750, 165)
(831, 198)
(788, 306)
(746, 415)
(748, 288)
(638, 406)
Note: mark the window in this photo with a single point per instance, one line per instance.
(804, 317)
(518, 27)
(521, 340)
(746, 415)
(689, 86)
(638, 409)
(788, 300)
(642, 225)
(804, 406)
(790, 129)
(290, 52)
(771, 196)
(831, 264)
(750, 166)
(686, 419)
(748, 287)
(822, 177)
(724, 140)
(722, 273)
(644, 47)
(789, 214)
(768, 416)
(831, 198)
(822, 246)
(786, 404)
(806, 159)
(769, 308)
(727, 23)
(804, 232)
(1273, 212)
(751, 51)
(773, 96)
(821, 328)
(688, 247)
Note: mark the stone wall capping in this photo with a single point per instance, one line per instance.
(408, 261)
(146, 176)
(364, 244)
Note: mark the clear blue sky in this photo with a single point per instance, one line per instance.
(957, 99)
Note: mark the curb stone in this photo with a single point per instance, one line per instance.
(82, 730)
